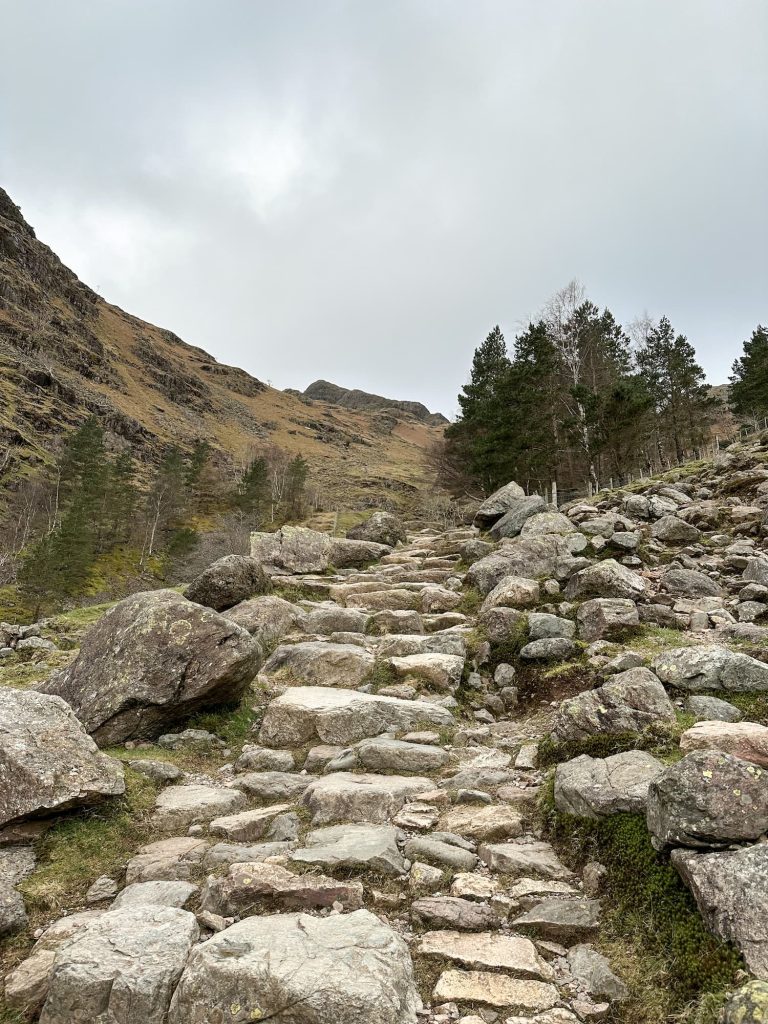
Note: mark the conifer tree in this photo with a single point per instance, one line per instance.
(252, 492)
(295, 482)
(676, 384)
(748, 393)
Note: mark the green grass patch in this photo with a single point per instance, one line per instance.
(231, 724)
(471, 600)
(651, 929)
(78, 849)
(382, 674)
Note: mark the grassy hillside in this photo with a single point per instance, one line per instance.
(65, 353)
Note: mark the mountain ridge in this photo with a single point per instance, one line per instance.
(66, 353)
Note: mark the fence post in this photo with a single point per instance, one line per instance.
(554, 493)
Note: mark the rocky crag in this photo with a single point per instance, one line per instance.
(66, 353)
(352, 398)
(400, 821)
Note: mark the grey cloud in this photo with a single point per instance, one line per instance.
(359, 190)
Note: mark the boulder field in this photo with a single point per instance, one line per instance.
(378, 846)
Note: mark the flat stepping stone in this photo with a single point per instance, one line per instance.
(381, 754)
(497, 990)
(246, 887)
(177, 807)
(441, 854)
(442, 671)
(342, 717)
(166, 860)
(319, 663)
(268, 786)
(562, 919)
(481, 950)
(520, 858)
(453, 912)
(489, 822)
(364, 847)
(160, 894)
(247, 826)
(343, 796)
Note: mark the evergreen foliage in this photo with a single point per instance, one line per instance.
(574, 402)
(748, 395)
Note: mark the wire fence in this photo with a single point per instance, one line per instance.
(559, 496)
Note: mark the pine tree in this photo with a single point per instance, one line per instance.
(482, 413)
(677, 387)
(748, 393)
(122, 498)
(252, 492)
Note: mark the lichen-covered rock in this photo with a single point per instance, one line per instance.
(712, 709)
(629, 702)
(746, 740)
(319, 663)
(122, 968)
(47, 761)
(513, 520)
(365, 847)
(673, 530)
(748, 1005)
(297, 969)
(151, 661)
(595, 787)
(295, 549)
(689, 583)
(228, 581)
(494, 507)
(606, 579)
(381, 528)
(731, 891)
(711, 667)
(344, 796)
(708, 799)
(341, 717)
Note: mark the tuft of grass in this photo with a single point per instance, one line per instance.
(78, 849)
(231, 724)
(471, 600)
(382, 674)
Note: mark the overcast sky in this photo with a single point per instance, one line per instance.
(360, 190)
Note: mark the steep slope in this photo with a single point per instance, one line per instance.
(66, 353)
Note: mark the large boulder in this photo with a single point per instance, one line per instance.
(48, 763)
(319, 663)
(511, 523)
(591, 787)
(689, 583)
(606, 579)
(711, 667)
(708, 799)
(495, 506)
(544, 557)
(746, 740)
(381, 528)
(297, 969)
(606, 616)
(731, 890)
(268, 618)
(672, 530)
(295, 549)
(150, 662)
(341, 717)
(122, 967)
(228, 581)
(630, 702)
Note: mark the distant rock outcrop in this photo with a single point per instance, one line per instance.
(324, 391)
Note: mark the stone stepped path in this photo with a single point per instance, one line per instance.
(376, 850)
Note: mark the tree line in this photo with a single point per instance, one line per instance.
(581, 400)
(96, 510)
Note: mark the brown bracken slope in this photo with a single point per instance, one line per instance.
(65, 353)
